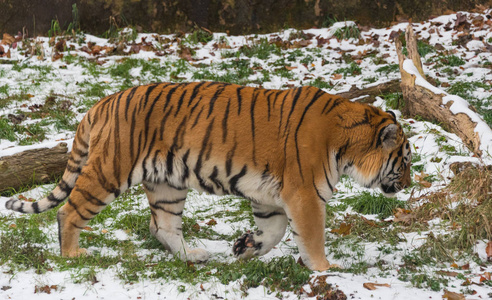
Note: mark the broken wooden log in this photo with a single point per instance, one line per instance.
(372, 92)
(31, 167)
(432, 104)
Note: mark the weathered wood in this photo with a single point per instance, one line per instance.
(372, 92)
(426, 101)
(31, 167)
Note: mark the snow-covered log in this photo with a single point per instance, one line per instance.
(433, 104)
(33, 166)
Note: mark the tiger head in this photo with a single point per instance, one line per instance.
(385, 159)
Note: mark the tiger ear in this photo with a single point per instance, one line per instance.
(388, 136)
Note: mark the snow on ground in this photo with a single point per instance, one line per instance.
(314, 54)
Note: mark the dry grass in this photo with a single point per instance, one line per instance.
(466, 203)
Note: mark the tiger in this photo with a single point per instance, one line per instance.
(283, 150)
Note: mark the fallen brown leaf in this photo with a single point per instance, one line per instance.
(7, 39)
(448, 273)
(372, 286)
(453, 296)
(343, 230)
(488, 250)
(212, 222)
(404, 216)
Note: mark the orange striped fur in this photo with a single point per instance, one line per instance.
(284, 150)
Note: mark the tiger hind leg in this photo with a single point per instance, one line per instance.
(271, 222)
(86, 200)
(166, 206)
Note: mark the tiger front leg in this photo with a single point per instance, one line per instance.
(271, 222)
(307, 219)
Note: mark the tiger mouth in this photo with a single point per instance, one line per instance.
(390, 190)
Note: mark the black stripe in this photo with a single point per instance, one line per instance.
(149, 151)
(266, 215)
(91, 198)
(180, 102)
(252, 114)
(224, 121)
(81, 141)
(282, 110)
(79, 152)
(186, 172)
(318, 193)
(64, 187)
(163, 124)
(128, 99)
(169, 201)
(215, 180)
(151, 108)
(35, 207)
(195, 92)
(239, 99)
(77, 211)
(234, 180)
(198, 165)
(335, 103)
(327, 179)
(269, 104)
(230, 156)
(197, 117)
(166, 211)
(294, 102)
(313, 100)
(132, 137)
(150, 88)
(170, 94)
(213, 99)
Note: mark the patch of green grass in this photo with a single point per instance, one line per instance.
(390, 68)
(424, 48)
(464, 89)
(179, 67)
(367, 203)
(320, 83)
(292, 56)
(199, 36)
(261, 49)
(280, 274)
(95, 89)
(352, 69)
(122, 68)
(4, 89)
(35, 133)
(283, 72)
(347, 32)
(393, 100)
(451, 60)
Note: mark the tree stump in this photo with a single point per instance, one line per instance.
(36, 166)
(452, 112)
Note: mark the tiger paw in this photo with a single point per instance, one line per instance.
(197, 255)
(246, 247)
(76, 253)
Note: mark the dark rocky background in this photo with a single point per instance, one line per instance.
(233, 16)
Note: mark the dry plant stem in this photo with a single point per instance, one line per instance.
(32, 167)
(422, 102)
